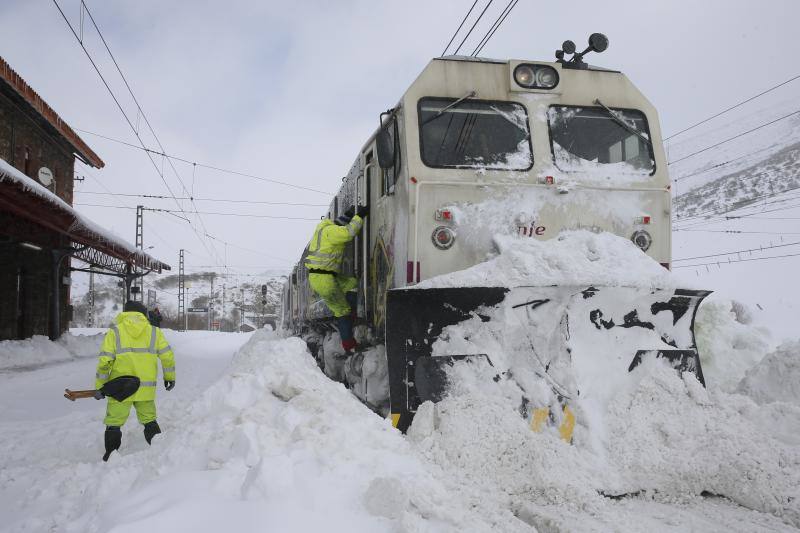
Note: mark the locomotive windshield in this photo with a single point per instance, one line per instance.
(584, 138)
(474, 134)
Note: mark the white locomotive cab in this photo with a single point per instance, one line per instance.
(524, 147)
(485, 147)
(477, 148)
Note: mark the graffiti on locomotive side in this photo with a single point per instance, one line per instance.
(382, 274)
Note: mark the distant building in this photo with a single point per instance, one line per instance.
(40, 232)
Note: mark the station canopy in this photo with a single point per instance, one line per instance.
(31, 203)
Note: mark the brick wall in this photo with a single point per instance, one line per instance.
(26, 143)
(25, 274)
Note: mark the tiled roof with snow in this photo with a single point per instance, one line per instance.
(32, 98)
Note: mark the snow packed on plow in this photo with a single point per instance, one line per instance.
(650, 434)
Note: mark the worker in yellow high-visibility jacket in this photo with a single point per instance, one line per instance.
(132, 347)
(324, 256)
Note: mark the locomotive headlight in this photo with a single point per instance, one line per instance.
(535, 76)
(546, 77)
(524, 75)
(642, 239)
(443, 237)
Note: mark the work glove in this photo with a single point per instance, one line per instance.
(169, 385)
(350, 212)
(362, 211)
(98, 395)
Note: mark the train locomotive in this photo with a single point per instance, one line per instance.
(477, 147)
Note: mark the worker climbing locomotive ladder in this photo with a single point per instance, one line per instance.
(323, 260)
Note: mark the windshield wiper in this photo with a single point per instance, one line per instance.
(471, 94)
(624, 124)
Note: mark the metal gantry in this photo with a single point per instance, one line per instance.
(137, 294)
(91, 297)
(181, 294)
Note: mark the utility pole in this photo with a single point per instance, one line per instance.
(223, 306)
(137, 295)
(181, 294)
(241, 315)
(211, 303)
(90, 316)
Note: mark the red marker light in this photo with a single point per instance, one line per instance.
(413, 179)
(645, 220)
(444, 214)
(549, 180)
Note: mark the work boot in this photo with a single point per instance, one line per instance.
(113, 440)
(349, 346)
(151, 429)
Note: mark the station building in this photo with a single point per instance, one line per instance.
(42, 238)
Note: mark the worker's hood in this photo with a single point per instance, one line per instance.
(132, 323)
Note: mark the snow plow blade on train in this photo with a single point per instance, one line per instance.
(573, 337)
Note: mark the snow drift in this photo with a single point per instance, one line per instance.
(40, 350)
(776, 378)
(650, 433)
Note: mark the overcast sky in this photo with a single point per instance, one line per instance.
(290, 90)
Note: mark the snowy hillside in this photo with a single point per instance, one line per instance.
(732, 142)
(754, 187)
(238, 292)
(735, 217)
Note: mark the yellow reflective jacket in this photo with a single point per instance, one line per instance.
(131, 348)
(326, 247)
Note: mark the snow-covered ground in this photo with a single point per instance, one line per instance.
(256, 438)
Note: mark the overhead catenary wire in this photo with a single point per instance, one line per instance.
(203, 165)
(459, 28)
(784, 117)
(719, 165)
(196, 199)
(140, 112)
(744, 260)
(501, 18)
(716, 210)
(747, 250)
(731, 108)
(746, 216)
(172, 211)
(257, 252)
(123, 204)
(473, 27)
(734, 231)
(707, 217)
(119, 106)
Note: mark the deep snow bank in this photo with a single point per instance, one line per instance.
(41, 350)
(776, 378)
(665, 437)
(727, 346)
(272, 445)
(649, 431)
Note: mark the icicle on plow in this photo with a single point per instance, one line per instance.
(581, 340)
